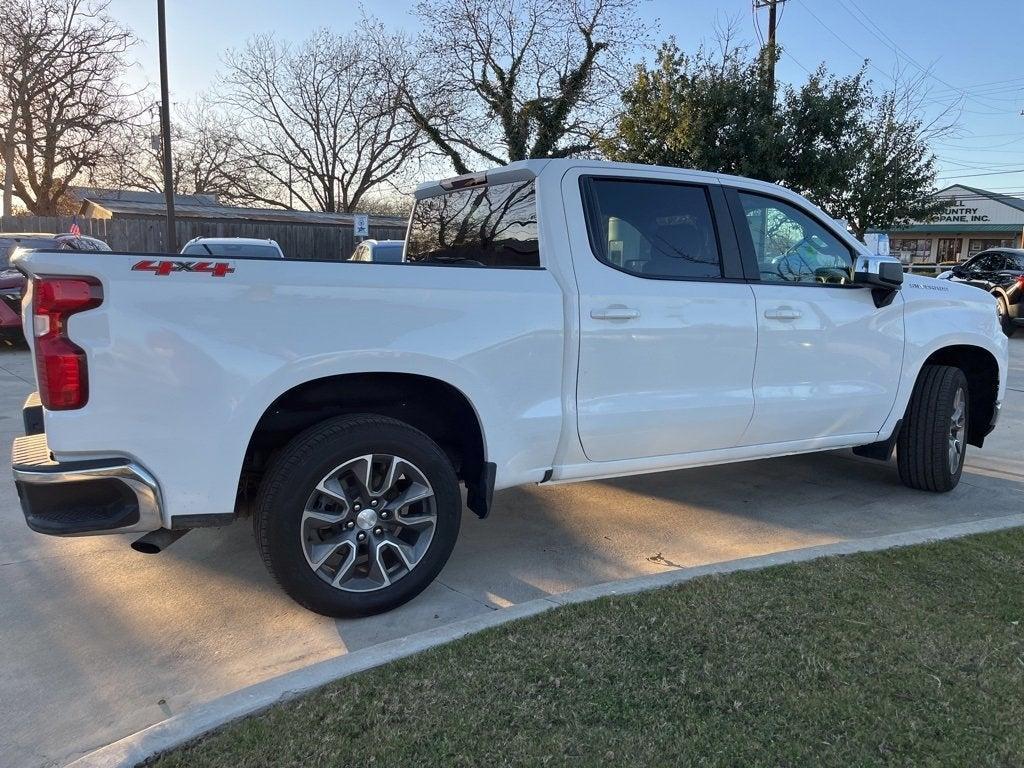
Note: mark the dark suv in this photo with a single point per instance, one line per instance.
(1000, 271)
(12, 282)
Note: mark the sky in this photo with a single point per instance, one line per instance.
(970, 50)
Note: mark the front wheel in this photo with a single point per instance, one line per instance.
(933, 438)
(358, 515)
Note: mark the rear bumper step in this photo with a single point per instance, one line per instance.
(76, 498)
(32, 415)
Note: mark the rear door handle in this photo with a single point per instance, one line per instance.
(615, 313)
(783, 313)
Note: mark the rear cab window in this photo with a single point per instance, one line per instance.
(489, 226)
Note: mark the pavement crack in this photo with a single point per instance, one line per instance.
(15, 375)
(484, 603)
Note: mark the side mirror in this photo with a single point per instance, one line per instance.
(883, 274)
(878, 272)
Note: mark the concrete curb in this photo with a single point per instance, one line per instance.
(202, 719)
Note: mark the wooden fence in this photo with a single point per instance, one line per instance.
(146, 234)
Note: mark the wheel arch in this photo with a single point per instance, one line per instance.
(982, 371)
(439, 409)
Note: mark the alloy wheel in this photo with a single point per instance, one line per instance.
(957, 427)
(368, 522)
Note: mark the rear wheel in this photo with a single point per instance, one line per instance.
(1003, 312)
(358, 515)
(933, 438)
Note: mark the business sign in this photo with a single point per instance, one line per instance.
(968, 207)
(963, 212)
(361, 225)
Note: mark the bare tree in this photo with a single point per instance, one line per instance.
(204, 156)
(492, 81)
(61, 71)
(318, 123)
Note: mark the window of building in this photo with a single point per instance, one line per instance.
(910, 250)
(979, 244)
(494, 226)
(948, 250)
(652, 229)
(791, 246)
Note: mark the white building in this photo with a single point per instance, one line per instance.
(973, 220)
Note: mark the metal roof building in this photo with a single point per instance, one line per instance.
(133, 220)
(972, 220)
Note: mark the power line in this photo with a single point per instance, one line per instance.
(866, 59)
(972, 175)
(792, 58)
(882, 37)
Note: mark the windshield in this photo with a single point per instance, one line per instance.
(233, 250)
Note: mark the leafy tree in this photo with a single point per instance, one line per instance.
(824, 134)
(862, 157)
(706, 111)
(894, 179)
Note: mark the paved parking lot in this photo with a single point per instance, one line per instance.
(98, 641)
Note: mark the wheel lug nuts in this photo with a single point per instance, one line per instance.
(350, 525)
(373, 503)
(378, 531)
(360, 536)
(385, 514)
(356, 507)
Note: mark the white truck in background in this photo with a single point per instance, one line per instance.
(550, 321)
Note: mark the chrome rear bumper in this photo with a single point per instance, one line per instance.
(78, 498)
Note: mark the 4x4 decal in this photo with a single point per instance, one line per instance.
(215, 268)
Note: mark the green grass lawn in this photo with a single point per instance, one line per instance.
(909, 657)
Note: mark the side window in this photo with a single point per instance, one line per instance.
(492, 226)
(987, 262)
(652, 228)
(792, 247)
(1015, 261)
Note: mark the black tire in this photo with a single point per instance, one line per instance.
(291, 480)
(923, 446)
(1003, 312)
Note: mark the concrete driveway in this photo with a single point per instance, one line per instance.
(97, 641)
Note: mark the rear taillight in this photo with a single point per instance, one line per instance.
(60, 363)
(1020, 282)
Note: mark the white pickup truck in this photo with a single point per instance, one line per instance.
(550, 321)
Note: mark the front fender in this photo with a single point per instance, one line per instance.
(935, 319)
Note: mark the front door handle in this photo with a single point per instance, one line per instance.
(783, 313)
(617, 312)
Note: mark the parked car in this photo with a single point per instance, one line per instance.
(553, 321)
(380, 251)
(233, 248)
(12, 282)
(1000, 271)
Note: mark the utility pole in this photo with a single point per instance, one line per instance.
(165, 128)
(770, 54)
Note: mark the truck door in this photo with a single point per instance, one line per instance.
(667, 326)
(828, 360)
